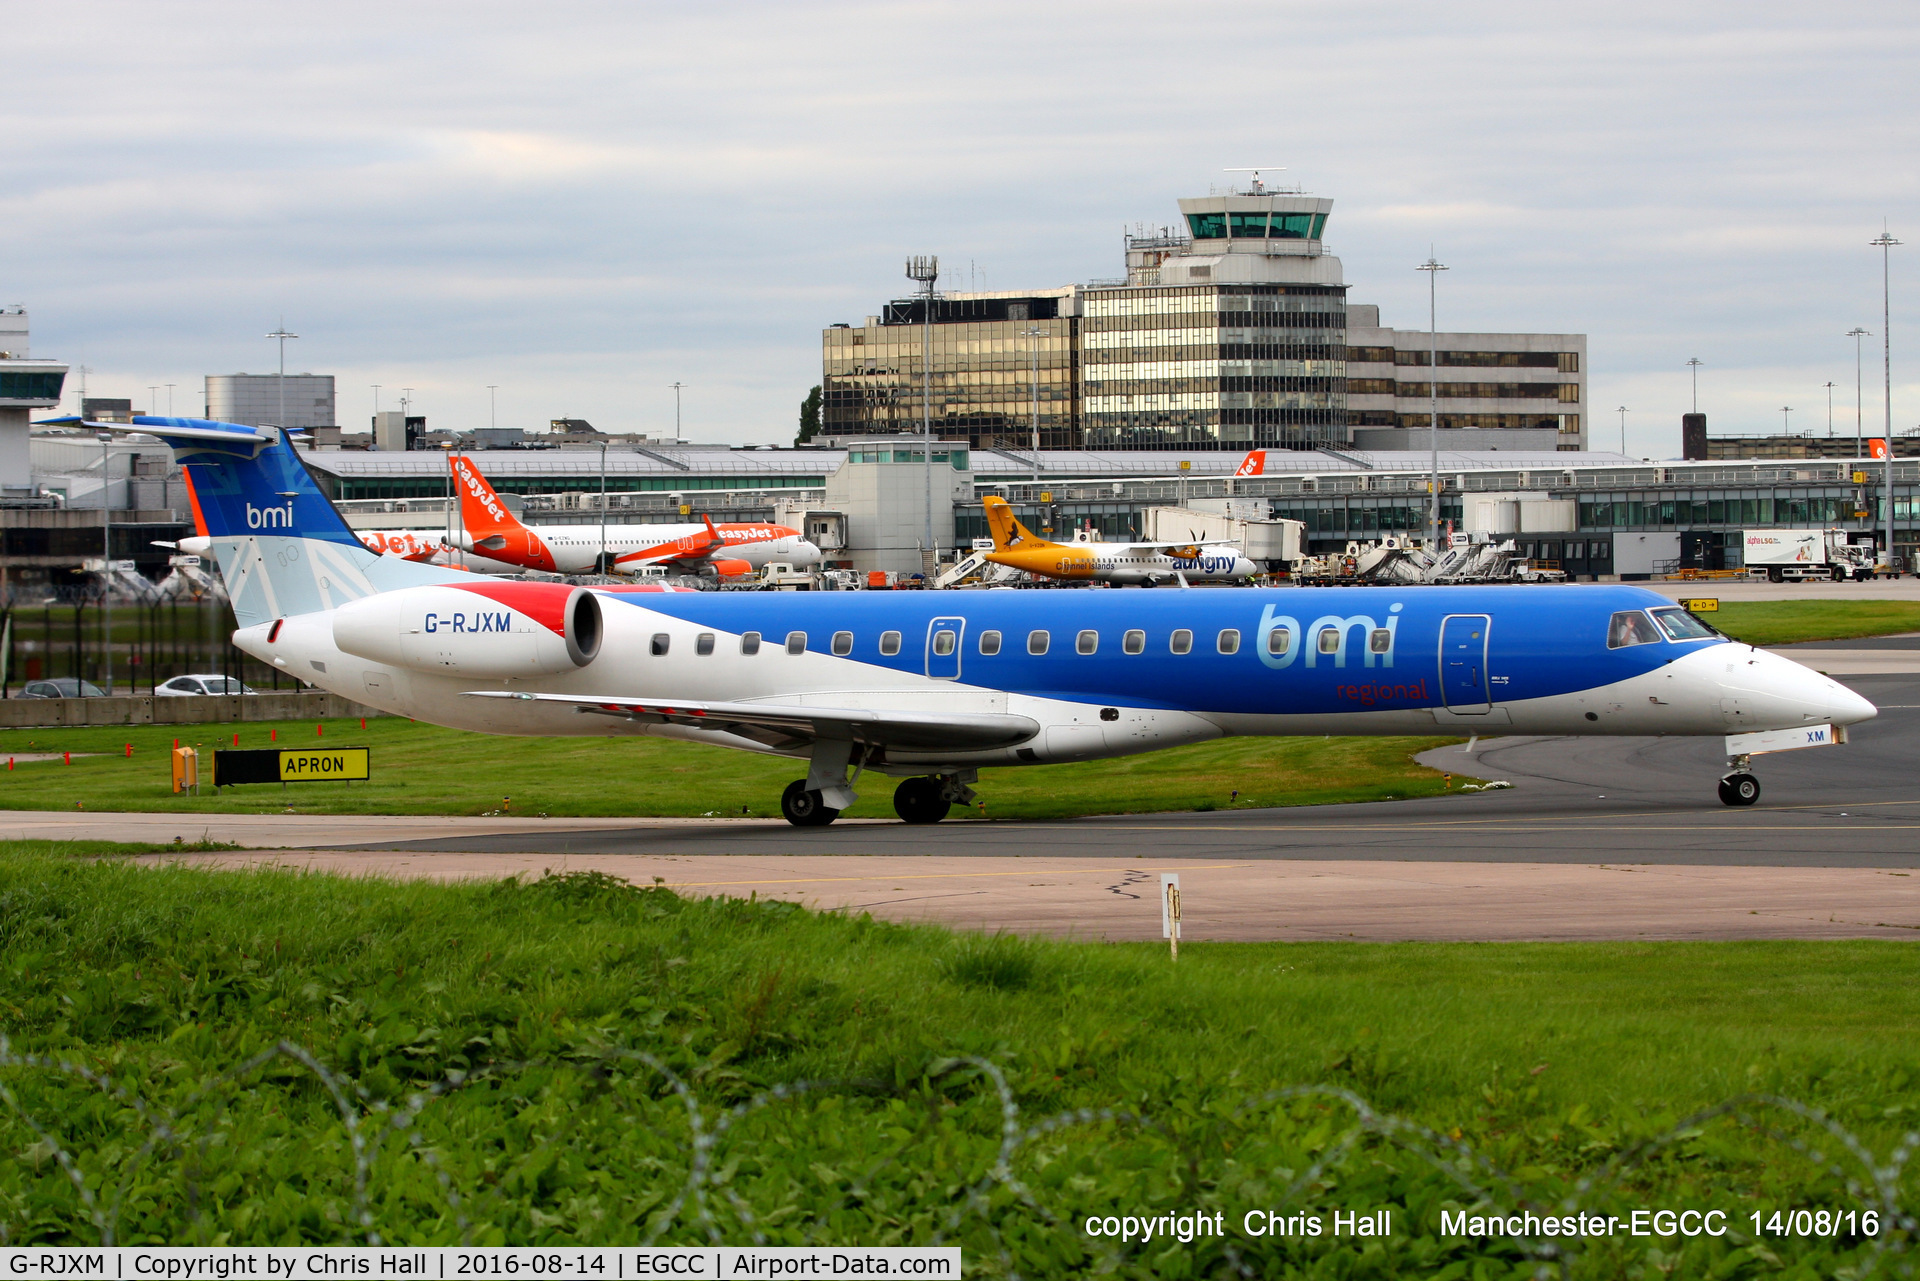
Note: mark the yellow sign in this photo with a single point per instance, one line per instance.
(1046, 495)
(1707, 606)
(1859, 478)
(1186, 466)
(331, 764)
(686, 510)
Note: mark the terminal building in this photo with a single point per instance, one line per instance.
(1598, 515)
(1232, 332)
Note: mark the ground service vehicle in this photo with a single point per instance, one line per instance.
(930, 687)
(1802, 555)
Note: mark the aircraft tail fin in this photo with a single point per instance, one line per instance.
(1008, 533)
(481, 511)
(282, 546)
(1254, 464)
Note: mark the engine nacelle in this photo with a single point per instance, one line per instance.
(481, 629)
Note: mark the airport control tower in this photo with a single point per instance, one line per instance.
(1252, 235)
(25, 385)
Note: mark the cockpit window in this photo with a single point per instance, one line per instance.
(1682, 626)
(1631, 627)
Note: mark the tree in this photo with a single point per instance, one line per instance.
(809, 416)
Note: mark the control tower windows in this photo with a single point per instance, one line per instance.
(1207, 226)
(1250, 226)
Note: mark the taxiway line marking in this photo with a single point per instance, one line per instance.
(948, 876)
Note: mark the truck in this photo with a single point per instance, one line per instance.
(1805, 555)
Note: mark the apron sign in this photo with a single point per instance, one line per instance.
(306, 765)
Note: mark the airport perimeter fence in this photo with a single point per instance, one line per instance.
(99, 1155)
(151, 643)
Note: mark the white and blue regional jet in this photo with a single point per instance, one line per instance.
(930, 687)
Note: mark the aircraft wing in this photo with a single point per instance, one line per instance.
(691, 552)
(789, 725)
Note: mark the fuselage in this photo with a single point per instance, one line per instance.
(1113, 673)
(1127, 564)
(577, 549)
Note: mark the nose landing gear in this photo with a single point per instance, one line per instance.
(1740, 787)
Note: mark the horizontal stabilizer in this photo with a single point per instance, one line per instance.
(788, 725)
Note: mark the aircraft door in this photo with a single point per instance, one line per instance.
(944, 636)
(1463, 663)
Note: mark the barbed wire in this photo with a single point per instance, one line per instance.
(370, 1122)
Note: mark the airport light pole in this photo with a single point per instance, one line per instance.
(1859, 421)
(1433, 268)
(926, 269)
(1786, 422)
(1033, 334)
(1623, 428)
(169, 400)
(1829, 386)
(282, 334)
(106, 549)
(1693, 364)
(1885, 244)
(676, 410)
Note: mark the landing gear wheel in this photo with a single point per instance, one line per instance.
(803, 807)
(921, 800)
(1739, 789)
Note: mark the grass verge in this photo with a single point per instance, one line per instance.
(1790, 622)
(523, 1031)
(423, 769)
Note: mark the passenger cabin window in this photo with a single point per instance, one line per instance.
(943, 642)
(749, 643)
(1330, 640)
(1279, 640)
(842, 644)
(1181, 642)
(796, 642)
(1134, 642)
(1229, 642)
(889, 644)
(1631, 627)
(660, 642)
(1037, 642)
(703, 643)
(1087, 642)
(1682, 626)
(989, 643)
(1379, 640)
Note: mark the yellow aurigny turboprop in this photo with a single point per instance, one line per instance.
(1142, 564)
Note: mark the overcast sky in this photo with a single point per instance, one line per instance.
(585, 202)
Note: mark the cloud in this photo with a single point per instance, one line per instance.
(583, 201)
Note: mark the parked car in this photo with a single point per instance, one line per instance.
(186, 686)
(62, 687)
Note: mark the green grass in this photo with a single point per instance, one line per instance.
(422, 769)
(1788, 622)
(1548, 1061)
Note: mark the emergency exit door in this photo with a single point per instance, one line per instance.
(1463, 663)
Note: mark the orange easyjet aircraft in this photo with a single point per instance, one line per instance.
(493, 533)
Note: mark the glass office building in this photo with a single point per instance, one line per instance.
(990, 354)
(1214, 367)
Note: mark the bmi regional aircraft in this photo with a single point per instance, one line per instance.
(930, 687)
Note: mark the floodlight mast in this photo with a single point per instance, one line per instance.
(1885, 244)
(1433, 267)
(282, 334)
(925, 268)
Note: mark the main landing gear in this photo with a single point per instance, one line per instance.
(921, 800)
(803, 806)
(1739, 787)
(926, 799)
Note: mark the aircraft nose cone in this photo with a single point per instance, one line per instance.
(1847, 707)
